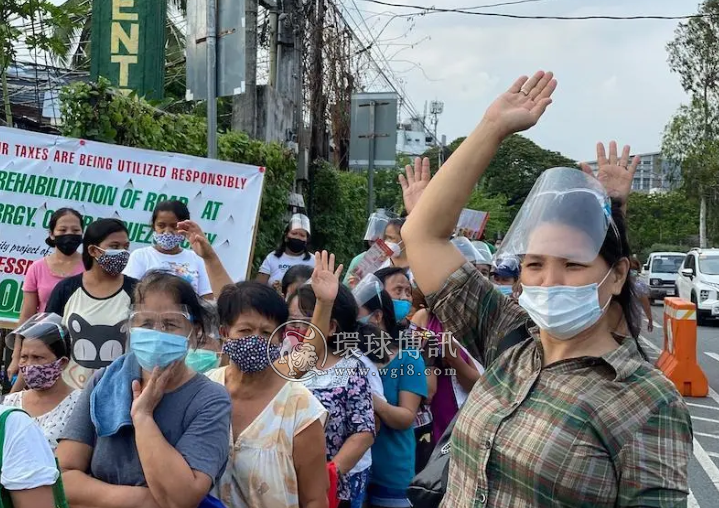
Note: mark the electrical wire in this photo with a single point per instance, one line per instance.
(458, 10)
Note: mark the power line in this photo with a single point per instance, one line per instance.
(430, 10)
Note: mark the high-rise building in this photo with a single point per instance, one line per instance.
(653, 175)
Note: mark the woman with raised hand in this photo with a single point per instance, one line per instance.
(573, 415)
(340, 385)
(166, 252)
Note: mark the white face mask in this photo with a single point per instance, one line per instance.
(563, 311)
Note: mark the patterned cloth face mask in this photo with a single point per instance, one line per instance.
(251, 354)
(113, 261)
(167, 241)
(42, 377)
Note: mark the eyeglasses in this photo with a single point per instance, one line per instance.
(177, 322)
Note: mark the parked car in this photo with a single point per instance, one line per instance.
(698, 282)
(660, 274)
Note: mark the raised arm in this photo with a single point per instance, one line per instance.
(216, 272)
(426, 234)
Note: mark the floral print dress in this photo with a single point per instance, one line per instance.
(345, 392)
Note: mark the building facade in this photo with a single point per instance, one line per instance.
(654, 174)
(412, 137)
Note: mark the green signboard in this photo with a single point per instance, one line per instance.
(128, 44)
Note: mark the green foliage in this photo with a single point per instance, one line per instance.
(94, 111)
(500, 217)
(671, 219)
(340, 212)
(387, 191)
(516, 167)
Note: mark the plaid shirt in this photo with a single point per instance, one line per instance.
(591, 432)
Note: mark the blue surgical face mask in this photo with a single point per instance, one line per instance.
(401, 309)
(154, 348)
(365, 320)
(504, 289)
(202, 360)
(563, 311)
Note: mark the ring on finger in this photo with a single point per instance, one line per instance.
(526, 93)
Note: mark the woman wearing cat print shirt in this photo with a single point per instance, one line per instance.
(96, 303)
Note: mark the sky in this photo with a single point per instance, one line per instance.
(614, 80)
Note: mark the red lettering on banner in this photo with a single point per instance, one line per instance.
(4, 148)
(14, 266)
(31, 152)
(64, 157)
(95, 161)
(208, 178)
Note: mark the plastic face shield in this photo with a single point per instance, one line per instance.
(485, 254)
(468, 250)
(45, 326)
(300, 221)
(376, 224)
(175, 319)
(366, 289)
(566, 215)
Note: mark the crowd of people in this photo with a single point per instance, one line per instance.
(151, 379)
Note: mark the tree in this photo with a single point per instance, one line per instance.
(690, 137)
(516, 166)
(670, 218)
(39, 18)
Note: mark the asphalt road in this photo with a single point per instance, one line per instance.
(704, 469)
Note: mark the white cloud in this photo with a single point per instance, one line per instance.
(614, 82)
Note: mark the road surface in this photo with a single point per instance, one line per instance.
(704, 469)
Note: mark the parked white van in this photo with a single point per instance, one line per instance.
(698, 282)
(660, 273)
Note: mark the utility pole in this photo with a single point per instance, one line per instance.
(244, 107)
(212, 79)
(317, 99)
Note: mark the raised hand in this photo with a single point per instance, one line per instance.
(615, 173)
(414, 184)
(521, 107)
(325, 278)
(198, 241)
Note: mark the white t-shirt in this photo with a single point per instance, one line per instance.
(276, 267)
(186, 265)
(28, 462)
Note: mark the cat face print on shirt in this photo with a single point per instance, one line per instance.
(96, 346)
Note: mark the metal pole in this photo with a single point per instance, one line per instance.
(370, 161)
(274, 47)
(212, 79)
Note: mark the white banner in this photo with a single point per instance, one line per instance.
(41, 173)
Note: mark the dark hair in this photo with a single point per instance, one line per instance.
(389, 320)
(157, 281)
(59, 214)
(344, 309)
(250, 296)
(390, 271)
(615, 248)
(397, 223)
(297, 273)
(96, 233)
(283, 245)
(177, 207)
(58, 344)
